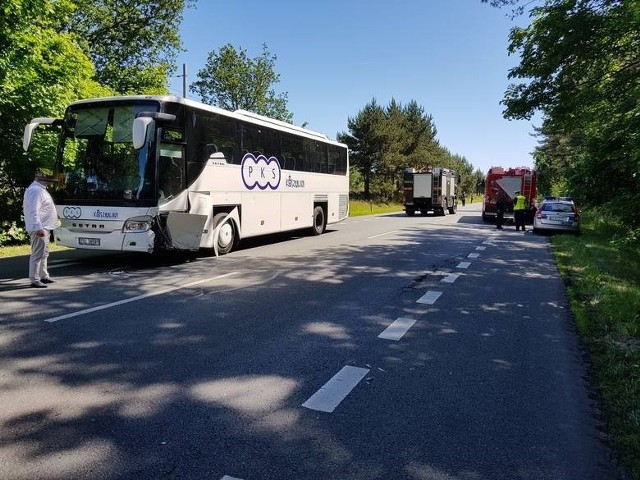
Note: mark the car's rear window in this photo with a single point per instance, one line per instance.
(557, 207)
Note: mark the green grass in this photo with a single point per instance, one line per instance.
(361, 207)
(18, 250)
(603, 284)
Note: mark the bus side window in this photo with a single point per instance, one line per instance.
(337, 160)
(228, 153)
(210, 149)
(194, 169)
(289, 163)
(316, 154)
(170, 173)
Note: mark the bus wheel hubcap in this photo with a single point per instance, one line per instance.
(226, 235)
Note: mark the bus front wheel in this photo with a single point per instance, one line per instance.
(319, 222)
(226, 236)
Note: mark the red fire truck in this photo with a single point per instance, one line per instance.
(508, 181)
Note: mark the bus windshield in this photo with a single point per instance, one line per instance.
(97, 157)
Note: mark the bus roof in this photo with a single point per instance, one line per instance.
(240, 114)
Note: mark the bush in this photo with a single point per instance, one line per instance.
(617, 220)
(12, 234)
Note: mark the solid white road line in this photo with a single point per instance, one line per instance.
(133, 299)
(473, 255)
(429, 298)
(452, 277)
(463, 265)
(397, 329)
(335, 390)
(382, 234)
(61, 265)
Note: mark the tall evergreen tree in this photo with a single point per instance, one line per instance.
(365, 142)
(384, 141)
(422, 145)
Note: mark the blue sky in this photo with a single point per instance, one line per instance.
(335, 56)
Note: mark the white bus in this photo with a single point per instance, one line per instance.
(156, 173)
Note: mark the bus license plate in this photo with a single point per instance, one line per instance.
(91, 242)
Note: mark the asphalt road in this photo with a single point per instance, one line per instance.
(423, 348)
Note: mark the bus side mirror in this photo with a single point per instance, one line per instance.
(140, 129)
(32, 125)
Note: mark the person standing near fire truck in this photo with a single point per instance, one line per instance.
(500, 206)
(519, 208)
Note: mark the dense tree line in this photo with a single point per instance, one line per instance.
(384, 141)
(580, 68)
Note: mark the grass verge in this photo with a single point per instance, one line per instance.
(603, 284)
(17, 250)
(362, 207)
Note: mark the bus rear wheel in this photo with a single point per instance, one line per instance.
(226, 236)
(319, 221)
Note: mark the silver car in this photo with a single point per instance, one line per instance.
(557, 215)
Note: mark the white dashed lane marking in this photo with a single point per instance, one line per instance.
(473, 255)
(397, 329)
(335, 390)
(463, 265)
(429, 298)
(452, 277)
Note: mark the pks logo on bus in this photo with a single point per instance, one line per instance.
(72, 212)
(260, 171)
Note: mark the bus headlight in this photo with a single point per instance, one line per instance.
(137, 224)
